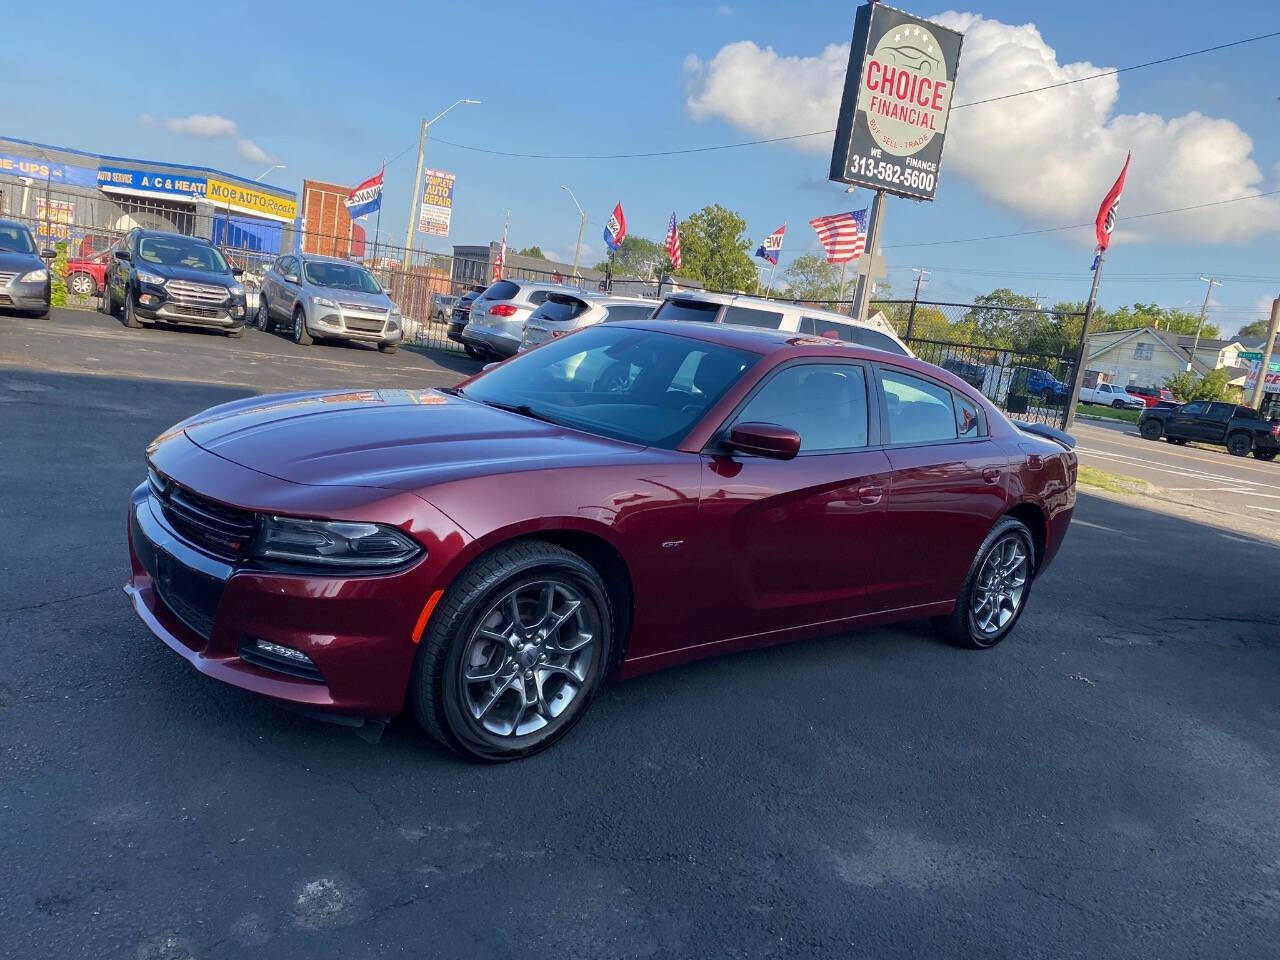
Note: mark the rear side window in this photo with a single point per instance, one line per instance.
(539, 296)
(918, 411)
(502, 290)
(749, 317)
(1246, 413)
(849, 333)
(629, 312)
(698, 311)
(559, 309)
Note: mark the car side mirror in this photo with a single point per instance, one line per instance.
(122, 255)
(48, 254)
(765, 440)
(237, 271)
(290, 278)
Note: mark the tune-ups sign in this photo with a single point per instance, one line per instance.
(897, 96)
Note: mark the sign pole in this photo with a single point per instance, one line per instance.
(1260, 388)
(874, 227)
(1078, 379)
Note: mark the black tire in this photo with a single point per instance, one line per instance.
(1177, 441)
(1265, 455)
(1117, 404)
(387, 347)
(961, 627)
(82, 284)
(1151, 429)
(235, 333)
(300, 335)
(262, 315)
(475, 353)
(1239, 444)
(436, 687)
(130, 318)
(108, 303)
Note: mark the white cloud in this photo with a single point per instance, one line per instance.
(147, 120)
(206, 125)
(251, 151)
(1049, 156)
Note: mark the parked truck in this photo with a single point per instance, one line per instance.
(1240, 429)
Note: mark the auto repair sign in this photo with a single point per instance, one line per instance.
(897, 98)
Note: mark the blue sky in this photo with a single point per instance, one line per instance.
(332, 92)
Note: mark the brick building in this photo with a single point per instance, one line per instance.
(326, 227)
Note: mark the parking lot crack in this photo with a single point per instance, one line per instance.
(59, 601)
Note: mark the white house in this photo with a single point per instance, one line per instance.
(1146, 357)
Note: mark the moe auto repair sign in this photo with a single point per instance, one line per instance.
(897, 97)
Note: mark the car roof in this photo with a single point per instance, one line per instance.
(769, 342)
(14, 223)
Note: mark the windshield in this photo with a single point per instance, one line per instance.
(340, 276)
(16, 238)
(633, 385)
(181, 252)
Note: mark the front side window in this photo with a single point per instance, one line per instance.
(826, 403)
(1194, 409)
(633, 385)
(918, 411)
(182, 252)
(1221, 412)
(750, 317)
(340, 276)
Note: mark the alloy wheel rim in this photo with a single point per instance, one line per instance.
(528, 658)
(262, 314)
(1002, 582)
(297, 327)
(80, 285)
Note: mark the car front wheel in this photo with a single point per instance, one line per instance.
(387, 347)
(130, 318)
(514, 652)
(300, 335)
(995, 592)
(82, 285)
(1151, 430)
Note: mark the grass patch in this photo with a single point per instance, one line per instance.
(1108, 413)
(1116, 483)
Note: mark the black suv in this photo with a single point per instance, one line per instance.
(167, 277)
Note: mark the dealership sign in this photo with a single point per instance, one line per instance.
(1273, 377)
(437, 204)
(897, 97)
(250, 200)
(131, 180)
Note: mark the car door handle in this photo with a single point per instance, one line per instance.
(991, 474)
(871, 493)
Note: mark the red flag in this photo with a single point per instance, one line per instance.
(615, 231)
(673, 243)
(500, 264)
(1107, 212)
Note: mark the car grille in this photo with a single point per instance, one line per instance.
(7, 278)
(196, 292)
(195, 311)
(5, 298)
(213, 527)
(198, 619)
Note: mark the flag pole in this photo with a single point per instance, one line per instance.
(768, 288)
(1078, 379)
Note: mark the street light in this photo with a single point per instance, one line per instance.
(417, 180)
(577, 247)
(274, 166)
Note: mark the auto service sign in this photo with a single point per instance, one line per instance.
(897, 98)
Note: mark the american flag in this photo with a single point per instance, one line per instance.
(843, 235)
(500, 262)
(673, 243)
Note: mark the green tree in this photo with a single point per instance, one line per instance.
(714, 246)
(638, 257)
(810, 277)
(1187, 386)
(534, 251)
(1255, 331)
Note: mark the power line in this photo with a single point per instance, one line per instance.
(649, 154)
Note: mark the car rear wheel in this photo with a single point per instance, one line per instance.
(1265, 454)
(1239, 444)
(475, 353)
(995, 592)
(513, 653)
(82, 285)
(1151, 430)
(300, 335)
(1176, 441)
(1118, 404)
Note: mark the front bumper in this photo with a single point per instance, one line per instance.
(358, 631)
(156, 302)
(324, 321)
(33, 295)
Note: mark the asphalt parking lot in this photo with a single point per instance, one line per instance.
(1104, 784)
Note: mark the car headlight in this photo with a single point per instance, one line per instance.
(35, 276)
(324, 302)
(237, 289)
(144, 277)
(333, 543)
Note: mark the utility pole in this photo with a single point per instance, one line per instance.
(1204, 308)
(921, 276)
(417, 180)
(1260, 388)
(582, 225)
(1078, 379)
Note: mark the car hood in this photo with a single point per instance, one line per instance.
(347, 295)
(12, 262)
(391, 439)
(186, 273)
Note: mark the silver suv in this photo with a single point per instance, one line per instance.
(321, 298)
(564, 312)
(497, 318)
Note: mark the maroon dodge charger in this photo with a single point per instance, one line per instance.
(629, 497)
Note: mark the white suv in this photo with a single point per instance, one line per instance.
(742, 310)
(496, 326)
(567, 311)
